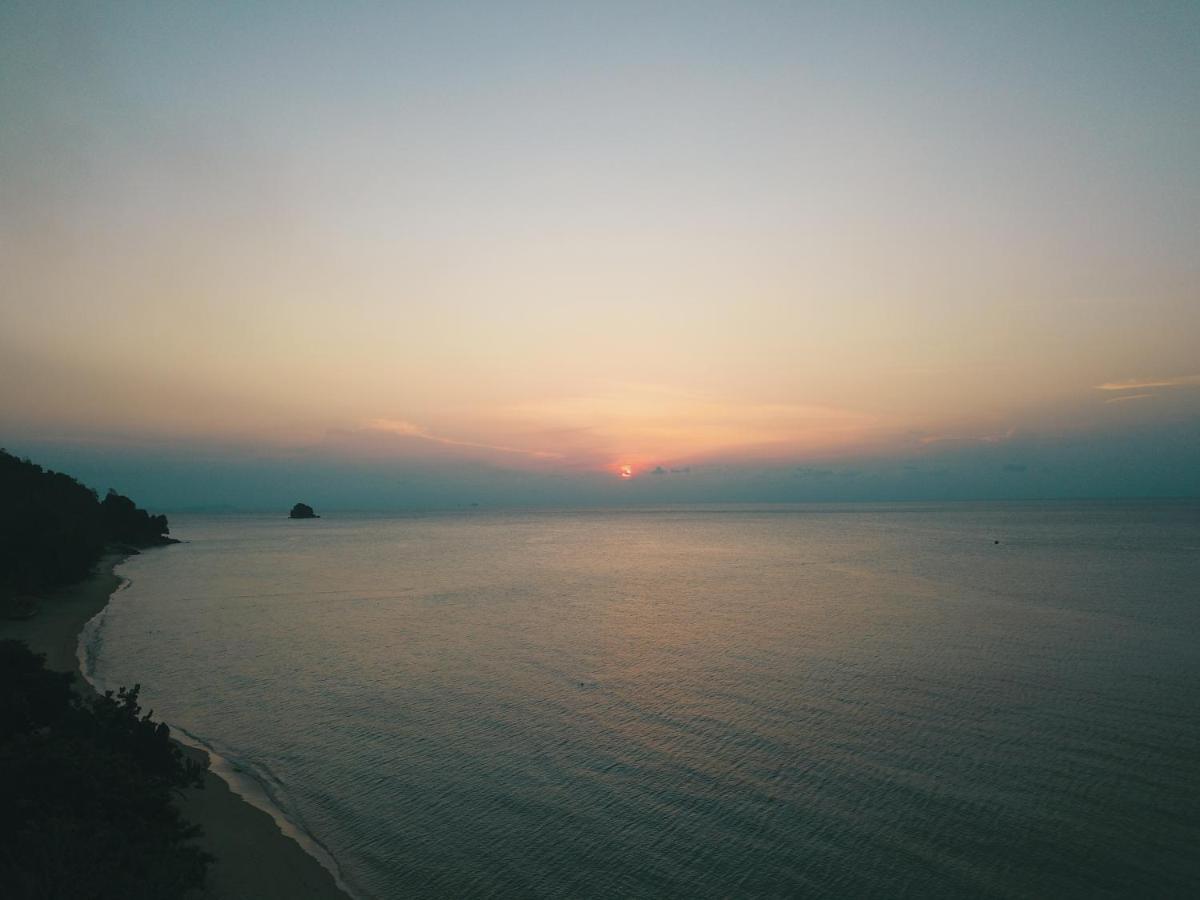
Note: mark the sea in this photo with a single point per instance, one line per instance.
(900, 700)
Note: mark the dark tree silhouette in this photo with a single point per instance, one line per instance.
(124, 522)
(53, 529)
(86, 792)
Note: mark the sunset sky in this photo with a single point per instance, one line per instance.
(377, 255)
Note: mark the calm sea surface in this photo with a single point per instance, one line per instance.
(864, 701)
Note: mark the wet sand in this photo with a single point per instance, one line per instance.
(255, 859)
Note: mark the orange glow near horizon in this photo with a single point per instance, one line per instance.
(524, 259)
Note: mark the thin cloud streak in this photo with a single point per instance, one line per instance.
(403, 428)
(969, 439)
(645, 424)
(1122, 398)
(1134, 384)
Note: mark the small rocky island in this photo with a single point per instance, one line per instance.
(302, 511)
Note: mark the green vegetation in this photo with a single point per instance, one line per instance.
(86, 783)
(53, 529)
(86, 789)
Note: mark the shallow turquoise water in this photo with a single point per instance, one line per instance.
(812, 701)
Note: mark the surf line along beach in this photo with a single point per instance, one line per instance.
(254, 857)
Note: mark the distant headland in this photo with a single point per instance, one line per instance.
(302, 511)
(55, 529)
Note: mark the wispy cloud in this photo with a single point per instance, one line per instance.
(649, 425)
(1140, 384)
(404, 428)
(995, 438)
(1121, 398)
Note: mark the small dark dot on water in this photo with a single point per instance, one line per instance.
(995, 542)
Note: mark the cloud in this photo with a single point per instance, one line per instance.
(404, 428)
(1145, 386)
(995, 438)
(640, 423)
(1134, 384)
(1121, 398)
(399, 426)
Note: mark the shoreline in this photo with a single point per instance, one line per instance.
(255, 858)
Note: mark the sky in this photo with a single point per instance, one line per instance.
(428, 254)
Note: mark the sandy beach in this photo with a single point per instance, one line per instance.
(255, 860)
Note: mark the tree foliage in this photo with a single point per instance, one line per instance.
(86, 790)
(53, 529)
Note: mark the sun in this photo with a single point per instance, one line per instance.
(625, 471)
